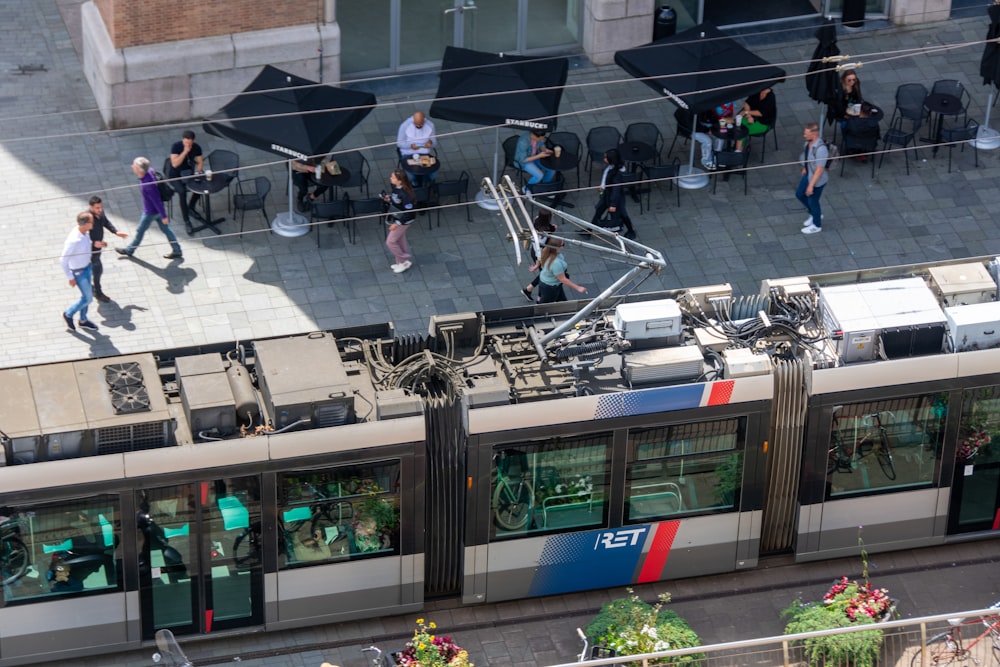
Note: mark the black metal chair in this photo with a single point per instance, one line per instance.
(903, 129)
(685, 127)
(169, 202)
(251, 201)
(852, 145)
(455, 187)
(226, 165)
(600, 140)
(964, 134)
(364, 208)
(731, 162)
(571, 143)
(956, 89)
(763, 138)
(330, 212)
(630, 181)
(910, 102)
(359, 169)
(423, 197)
(658, 173)
(552, 193)
(509, 148)
(647, 133)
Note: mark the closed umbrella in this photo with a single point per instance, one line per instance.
(293, 117)
(822, 80)
(989, 68)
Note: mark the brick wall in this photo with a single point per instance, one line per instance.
(143, 22)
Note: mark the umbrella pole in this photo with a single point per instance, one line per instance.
(987, 139)
(483, 199)
(289, 223)
(691, 177)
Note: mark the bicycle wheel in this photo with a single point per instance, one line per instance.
(884, 455)
(13, 560)
(512, 503)
(941, 650)
(246, 547)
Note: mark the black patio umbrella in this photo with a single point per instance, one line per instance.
(490, 89)
(699, 69)
(294, 117)
(989, 68)
(822, 80)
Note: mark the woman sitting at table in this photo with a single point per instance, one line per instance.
(528, 155)
(759, 112)
(850, 95)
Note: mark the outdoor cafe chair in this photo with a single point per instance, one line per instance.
(509, 148)
(902, 132)
(661, 174)
(731, 162)
(330, 212)
(600, 140)
(454, 187)
(964, 134)
(251, 201)
(647, 133)
(226, 164)
(685, 127)
(357, 165)
(370, 210)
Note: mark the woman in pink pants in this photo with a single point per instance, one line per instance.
(401, 215)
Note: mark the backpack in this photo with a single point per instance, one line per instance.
(166, 192)
(833, 152)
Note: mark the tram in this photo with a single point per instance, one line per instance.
(283, 482)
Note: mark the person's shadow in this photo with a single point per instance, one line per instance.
(118, 317)
(176, 276)
(100, 344)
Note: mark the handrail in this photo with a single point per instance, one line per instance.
(784, 641)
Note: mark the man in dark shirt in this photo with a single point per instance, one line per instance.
(185, 159)
(861, 132)
(97, 242)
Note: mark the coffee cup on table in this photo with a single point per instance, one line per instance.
(557, 151)
(208, 174)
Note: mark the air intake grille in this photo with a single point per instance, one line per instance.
(128, 393)
(132, 437)
(331, 414)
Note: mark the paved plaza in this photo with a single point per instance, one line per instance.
(55, 154)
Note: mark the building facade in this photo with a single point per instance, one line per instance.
(159, 61)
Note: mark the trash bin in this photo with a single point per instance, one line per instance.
(664, 23)
(854, 14)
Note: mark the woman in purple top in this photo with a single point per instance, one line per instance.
(152, 210)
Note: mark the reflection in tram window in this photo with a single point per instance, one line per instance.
(886, 444)
(979, 430)
(61, 548)
(684, 468)
(338, 513)
(557, 484)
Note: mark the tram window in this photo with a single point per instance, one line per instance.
(979, 430)
(337, 514)
(55, 549)
(684, 468)
(556, 484)
(885, 444)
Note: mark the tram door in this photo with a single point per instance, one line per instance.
(975, 496)
(189, 581)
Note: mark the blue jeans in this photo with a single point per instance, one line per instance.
(811, 202)
(144, 222)
(83, 278)
(538, 173)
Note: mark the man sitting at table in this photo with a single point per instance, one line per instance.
(304, 172)
(861, 132)
(185, 159)
(701, 124)
(529, 152)
(416, 136)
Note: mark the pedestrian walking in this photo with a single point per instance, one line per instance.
(814, 157)
(152, 211)
(98, 244)
(75, 262)
(402, 199)
(543, 227)
(553, 274)
(612, 197)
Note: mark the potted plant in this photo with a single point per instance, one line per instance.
(630, 626)
(847, 603)
(374, 523)
(428, 649)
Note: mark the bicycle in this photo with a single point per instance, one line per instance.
(595, 652)
(514, 497)
(14, 560)
(947, 647)
(874, 439)
(380, 658)
(170, 652)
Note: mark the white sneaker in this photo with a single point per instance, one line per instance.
(399, 268)
(808, 222)
(812, 229)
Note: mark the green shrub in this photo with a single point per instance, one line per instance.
(631, 626)
(857, 649)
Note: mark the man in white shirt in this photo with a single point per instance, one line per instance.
(75, 262)
(416, 136)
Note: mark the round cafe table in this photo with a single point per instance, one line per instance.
(418, 168)
(564, 162)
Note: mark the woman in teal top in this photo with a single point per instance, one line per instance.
(553, 274)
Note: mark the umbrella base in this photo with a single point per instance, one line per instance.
(289, 224)
(987, 139)
(692, 178)
(483, 200)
